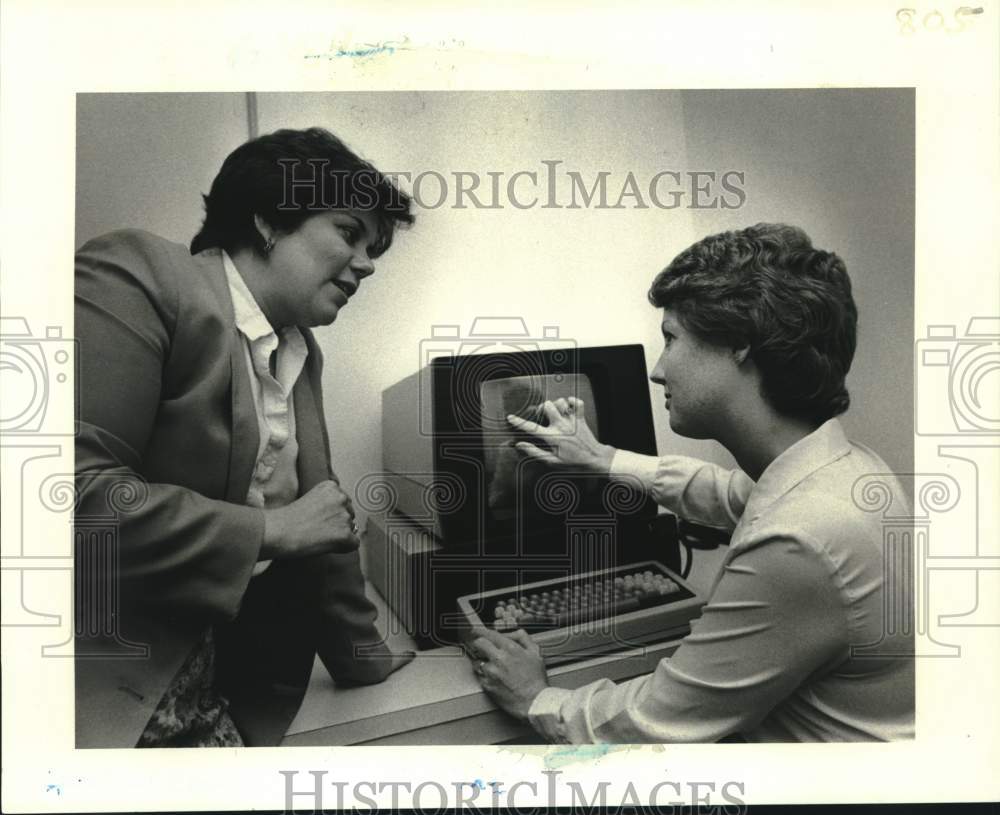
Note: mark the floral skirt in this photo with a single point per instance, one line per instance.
(191, 713)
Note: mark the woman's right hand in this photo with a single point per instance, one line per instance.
(568, 439)
(318, 522)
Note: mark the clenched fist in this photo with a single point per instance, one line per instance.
(320, 521)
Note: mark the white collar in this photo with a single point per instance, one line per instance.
(824, 445)
(253, 324)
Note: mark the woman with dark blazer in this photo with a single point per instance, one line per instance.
(228, 553)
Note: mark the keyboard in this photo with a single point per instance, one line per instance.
(591, 613)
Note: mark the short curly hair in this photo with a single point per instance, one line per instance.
(767, 288)
(289, 175)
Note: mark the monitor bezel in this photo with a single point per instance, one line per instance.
(618, 378)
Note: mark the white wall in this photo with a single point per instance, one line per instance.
(144, 159)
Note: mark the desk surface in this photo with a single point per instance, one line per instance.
(436, 699)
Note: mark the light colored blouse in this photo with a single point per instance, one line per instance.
(793, 644)
(275, 480)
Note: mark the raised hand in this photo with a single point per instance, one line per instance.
(568, 437)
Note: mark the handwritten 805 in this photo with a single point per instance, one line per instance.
(911, 20)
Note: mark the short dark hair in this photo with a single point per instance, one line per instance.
(768, 288)
(287, 176)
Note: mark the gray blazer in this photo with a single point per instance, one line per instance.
(164, 459)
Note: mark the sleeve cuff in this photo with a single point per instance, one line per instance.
(544, 713)
(628, 465)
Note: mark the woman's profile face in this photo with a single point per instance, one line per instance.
(315, 270)
(697, 380)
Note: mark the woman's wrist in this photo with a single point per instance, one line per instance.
(605, 455)
(274, 534)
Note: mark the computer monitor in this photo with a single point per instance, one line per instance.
(460, 510)
(449, 452)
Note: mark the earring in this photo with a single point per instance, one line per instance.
(268, 245)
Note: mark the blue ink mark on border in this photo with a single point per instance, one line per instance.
(367, 51)
(561, 756)
(479, 784)
(56, 787)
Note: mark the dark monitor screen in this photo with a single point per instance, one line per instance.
(511, 503)
(508, 474)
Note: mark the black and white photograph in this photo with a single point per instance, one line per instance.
(727, 276)
(546, 427)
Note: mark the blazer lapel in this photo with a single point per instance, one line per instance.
(246, 434)
(310, 429)
(245, 437)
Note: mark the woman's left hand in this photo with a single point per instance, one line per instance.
(510, 669)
